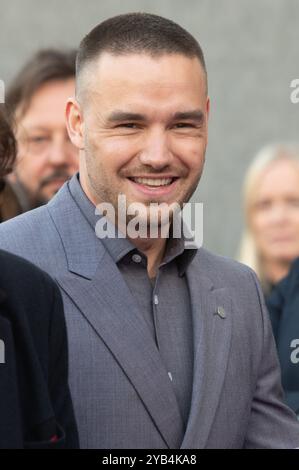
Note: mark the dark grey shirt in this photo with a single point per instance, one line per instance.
(164, 302)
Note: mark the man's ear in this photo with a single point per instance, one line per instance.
(74, 123)
(208, 106)
(208, 114)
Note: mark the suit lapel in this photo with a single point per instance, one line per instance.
(108, 305)
(212, 337)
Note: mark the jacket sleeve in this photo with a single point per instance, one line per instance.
(272, 424)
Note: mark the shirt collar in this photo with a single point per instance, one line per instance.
(116, 247)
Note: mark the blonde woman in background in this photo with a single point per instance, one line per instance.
(270, 242)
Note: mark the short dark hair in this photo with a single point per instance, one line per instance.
(7, 146)
(137, 33)
(45, 66)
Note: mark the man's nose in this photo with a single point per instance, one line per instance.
(156, 152)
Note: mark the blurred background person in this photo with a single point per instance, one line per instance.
(35, 403)
(270, 246)
(270, 242)
(35, 104)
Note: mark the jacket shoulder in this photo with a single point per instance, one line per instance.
(222, 269)
(23, 223)
(29, 235)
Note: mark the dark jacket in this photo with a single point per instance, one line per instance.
(35, 404)
(283, 305)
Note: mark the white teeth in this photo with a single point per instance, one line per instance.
(153, 182)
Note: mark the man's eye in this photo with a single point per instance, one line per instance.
(182, 125)
(128, 125)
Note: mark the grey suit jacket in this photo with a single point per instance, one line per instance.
(122, 394)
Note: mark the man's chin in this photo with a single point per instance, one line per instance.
(148, 225)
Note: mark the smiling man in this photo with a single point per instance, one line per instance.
(142, 134)
(169, 347)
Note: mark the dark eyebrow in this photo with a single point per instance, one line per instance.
(195, 115)
(119, 116)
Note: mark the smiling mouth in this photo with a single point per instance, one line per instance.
(153, 182)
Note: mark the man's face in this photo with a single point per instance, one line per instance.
(144, 129)
(46, 157)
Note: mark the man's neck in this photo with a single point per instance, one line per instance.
(153, 249)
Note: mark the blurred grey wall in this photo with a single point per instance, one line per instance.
(252, 54)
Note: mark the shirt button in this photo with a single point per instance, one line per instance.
(170, 376)
(156, 299)
(136, 258)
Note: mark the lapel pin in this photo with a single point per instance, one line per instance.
(221, 312)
